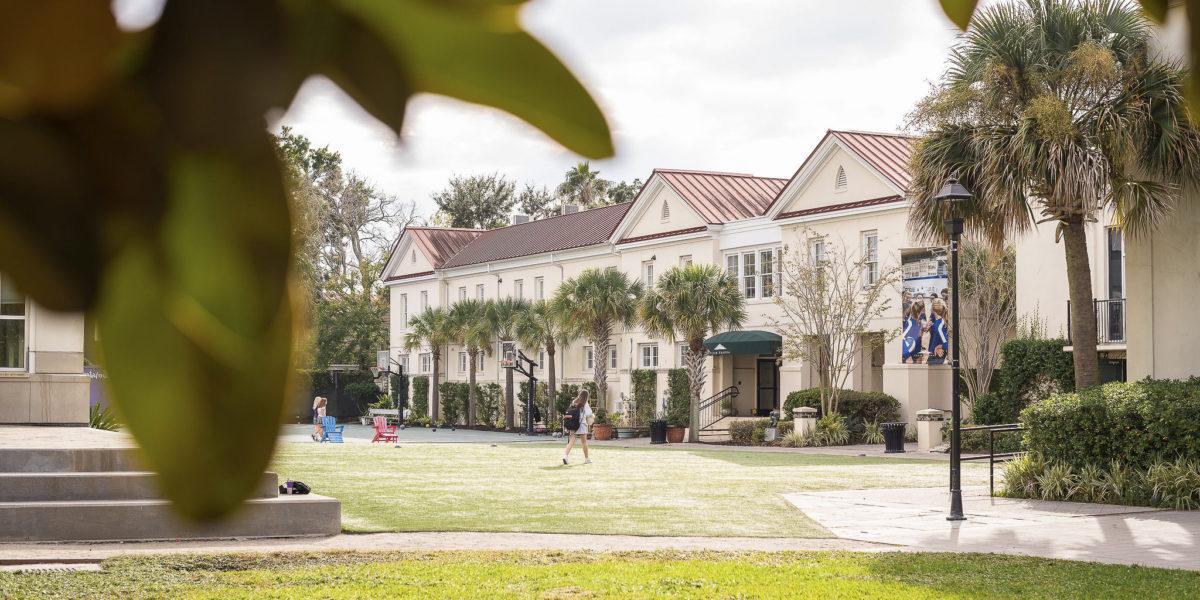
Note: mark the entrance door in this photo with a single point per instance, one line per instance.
(768, 387)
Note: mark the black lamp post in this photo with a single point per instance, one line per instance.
(952, 193)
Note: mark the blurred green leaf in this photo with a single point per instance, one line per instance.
(476, 51)
(959, 11)
(55, 55)
(198, 319)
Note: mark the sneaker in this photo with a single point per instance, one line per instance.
(314, 437)
(587, 461)
(564, 460)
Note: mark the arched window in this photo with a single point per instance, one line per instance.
(839, 181)
(666, 211)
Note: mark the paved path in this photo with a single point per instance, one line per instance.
(77, 552)
(916, 519)
(360, 434)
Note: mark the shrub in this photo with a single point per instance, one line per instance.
(1033, 369)
(100, 417)
(1137, 423)
(566, 394)
(855, 405)
(793, 439)
(487, 404)
(872, 433)
(831, 431)
(361, 394)
(1174, 484)
(453, 397)
(645, 390)
(679, 398)
(742, 431)
(1166, 484)
(420, 396)
(540, 399)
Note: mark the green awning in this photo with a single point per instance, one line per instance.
(744, 342)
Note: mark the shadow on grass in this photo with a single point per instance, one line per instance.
(783, 459)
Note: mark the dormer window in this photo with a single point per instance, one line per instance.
(666, 211)
(839, 180)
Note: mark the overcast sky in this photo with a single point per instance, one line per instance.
(703, 84)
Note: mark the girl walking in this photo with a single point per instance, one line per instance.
(319, 405)
(575, 422)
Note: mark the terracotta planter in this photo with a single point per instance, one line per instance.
(675, 435)
(602, 431)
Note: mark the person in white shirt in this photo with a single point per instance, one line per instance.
(319, 405)
(580, 404)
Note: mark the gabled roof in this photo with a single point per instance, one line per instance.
(723, 197)
(888, 153)
(574, 230)
(438, 244)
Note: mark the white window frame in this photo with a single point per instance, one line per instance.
(24, 318)
(519, 289)
(462, 293)
(679, 349)
(404, 309)
(648, 356)
(685, 260)
(589, 355)
(479, 291)
(648, 273)
(425, 362)
(539, 288)
(612, 356)
(746, 266)
(463, 364)
(870, 248)
(816, 251)
(424, 300)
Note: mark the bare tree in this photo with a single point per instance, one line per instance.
(989, 294)
(828, 303)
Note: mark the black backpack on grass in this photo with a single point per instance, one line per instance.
(572, 419)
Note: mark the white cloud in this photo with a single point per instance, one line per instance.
(703, 84)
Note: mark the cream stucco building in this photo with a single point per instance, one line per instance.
(41, 362)
(851, 190)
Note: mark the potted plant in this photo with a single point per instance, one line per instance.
(625, 425)
(676, 426)
(602, 429)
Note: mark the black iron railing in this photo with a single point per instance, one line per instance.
(1110, 320)
(991, 456)
(710, 410)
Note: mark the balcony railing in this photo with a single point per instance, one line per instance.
(1110, 320)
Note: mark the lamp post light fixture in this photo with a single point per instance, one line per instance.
(952, 194)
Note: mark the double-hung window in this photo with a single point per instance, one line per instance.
(463, 364)
(424, 300)
(479, 291)
(649, 353)
(519, 289)
(648, 273)
(685, 260)
(12, 326)
(404, 309)
(870, 242)
(426, 362)
(589, 357)
(539, 288)
(756, 271)
(462, 293)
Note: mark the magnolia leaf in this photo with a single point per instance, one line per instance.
(48, 236)
(476, 51)
(55, 55)
(365, 68)
(1157, 9)
(196, 324)
(959, 11)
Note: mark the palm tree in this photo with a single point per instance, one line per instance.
(502, 319)
(583, 186)
(689, 303)
(472, 329)
(592, 304)
(433, 329)
(1054, 111)
(540, 325)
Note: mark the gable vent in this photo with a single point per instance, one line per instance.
(839, 181)
(666, 211)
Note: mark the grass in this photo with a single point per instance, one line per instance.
(524, 487)
(597, 575)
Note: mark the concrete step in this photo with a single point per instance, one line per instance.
(69, 460)
(116, 485)
(144, 520)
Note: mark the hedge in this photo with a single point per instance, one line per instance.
(452, 395)
(1031, 370)
(645, 389)
(679, 398)
(360, 395)
(854, 405)
(420, 396)
(1135, 423)
(488, 401)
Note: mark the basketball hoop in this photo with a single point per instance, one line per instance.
(509, 361)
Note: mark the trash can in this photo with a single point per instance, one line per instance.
(658, 431)
(893, 437)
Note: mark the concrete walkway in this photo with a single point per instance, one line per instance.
(916, 520)
(422, 541)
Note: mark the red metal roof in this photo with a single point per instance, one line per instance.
(440, 243)
(723, 197)
(409, 276)
(842, 206)
(662, 234)
(575, 230)
(888, 153)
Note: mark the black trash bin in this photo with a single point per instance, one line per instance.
(893, 437)
(658, 431)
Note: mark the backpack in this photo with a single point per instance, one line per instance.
(572, 419)
(296, 487)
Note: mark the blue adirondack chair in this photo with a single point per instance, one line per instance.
(333, 431)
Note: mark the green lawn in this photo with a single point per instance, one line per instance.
(588, 575)
(524, 487)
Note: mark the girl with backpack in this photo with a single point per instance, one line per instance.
(575, 423)
(319, 405)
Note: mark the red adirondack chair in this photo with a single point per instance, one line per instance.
(383, 431)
